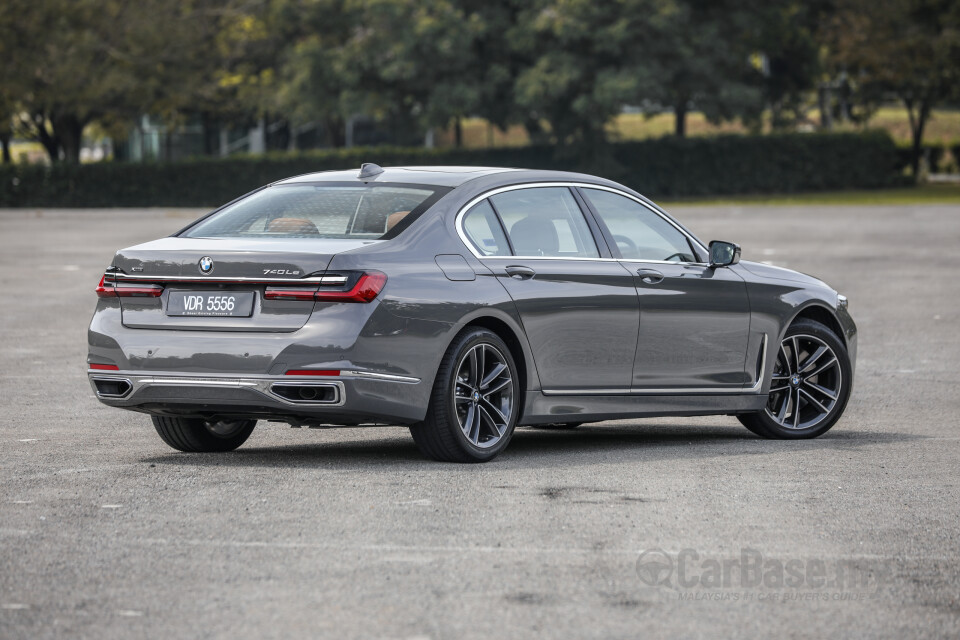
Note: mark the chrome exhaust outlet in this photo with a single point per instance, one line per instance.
(112, 387)
(329, 393)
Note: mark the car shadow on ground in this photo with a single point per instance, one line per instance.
(639, 442)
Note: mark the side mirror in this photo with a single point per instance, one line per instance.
(723, 254)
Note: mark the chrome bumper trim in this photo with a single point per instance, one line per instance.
(260, 385)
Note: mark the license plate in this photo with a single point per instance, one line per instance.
(210, 303)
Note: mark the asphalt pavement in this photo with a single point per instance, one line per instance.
(687, 527)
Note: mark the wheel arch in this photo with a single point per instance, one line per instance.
(820, 313)
(518, 349)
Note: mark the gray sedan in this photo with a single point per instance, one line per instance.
(460, 301)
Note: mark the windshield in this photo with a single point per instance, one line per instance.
(320, 211)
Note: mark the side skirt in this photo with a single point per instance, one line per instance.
(543, 409)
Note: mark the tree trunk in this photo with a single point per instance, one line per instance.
(457, 133)
(69, 129)
(918, 121)
(680, 119)
(5, 143)
(49, 140)
(334, 131)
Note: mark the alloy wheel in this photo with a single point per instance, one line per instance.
(483, 395)
(807, 383)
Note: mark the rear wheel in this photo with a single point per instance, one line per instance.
(196, 435)
(474, 405)
(810, 385)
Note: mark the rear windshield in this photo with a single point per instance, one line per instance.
(320, 211)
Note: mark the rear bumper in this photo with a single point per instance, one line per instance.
(353, 397)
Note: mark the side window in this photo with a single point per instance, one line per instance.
(640, 233)
(545, 221)
(483, 230)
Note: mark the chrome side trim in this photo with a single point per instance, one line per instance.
(670, 391)
(458, 222)
(389, 377)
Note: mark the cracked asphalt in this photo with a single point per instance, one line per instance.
(685, 527)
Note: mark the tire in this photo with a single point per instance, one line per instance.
(195, 435)
(557, 426)
(806, 388)
(464, 424)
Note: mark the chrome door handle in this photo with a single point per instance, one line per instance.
(520, 272)
(650, 276)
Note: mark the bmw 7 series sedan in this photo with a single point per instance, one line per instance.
(460, 302)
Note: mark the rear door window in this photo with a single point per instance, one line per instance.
(484, 231)
(545, 222)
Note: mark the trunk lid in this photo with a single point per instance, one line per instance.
(229, 269)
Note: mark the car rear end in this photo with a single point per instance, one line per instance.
(246, 315)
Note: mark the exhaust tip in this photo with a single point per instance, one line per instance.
(310, 393)
(112, 387)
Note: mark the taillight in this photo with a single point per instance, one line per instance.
(138, 290)
(368, 286)
(110, 288)
(104, 367)
(105, 289)
(289, 293)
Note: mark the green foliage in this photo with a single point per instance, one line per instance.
(667, 166)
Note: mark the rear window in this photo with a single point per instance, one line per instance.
(320, 211)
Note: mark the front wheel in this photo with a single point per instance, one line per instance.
(474, 405)
(810, 385)
(196, 435)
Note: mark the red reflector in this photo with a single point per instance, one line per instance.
(104, 367)
(288, 293)
(367, 288)
(313, 372)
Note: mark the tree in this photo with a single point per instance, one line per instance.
(906, 48)
(71, 62)
(699, 51)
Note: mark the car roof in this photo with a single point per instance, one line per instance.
(433, 175)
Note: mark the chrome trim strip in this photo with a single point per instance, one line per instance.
(458, 222)
(316, 279)
(389, 377)
(642, 392)
(755, 388)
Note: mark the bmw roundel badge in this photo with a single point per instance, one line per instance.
(206, 264)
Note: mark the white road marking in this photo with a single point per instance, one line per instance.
(22, 501)
(423, 502)
(111, 506)
(28, 440)
(130, 613)
(13, 606)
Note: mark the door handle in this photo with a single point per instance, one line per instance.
(520, 272)
(650, 276)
